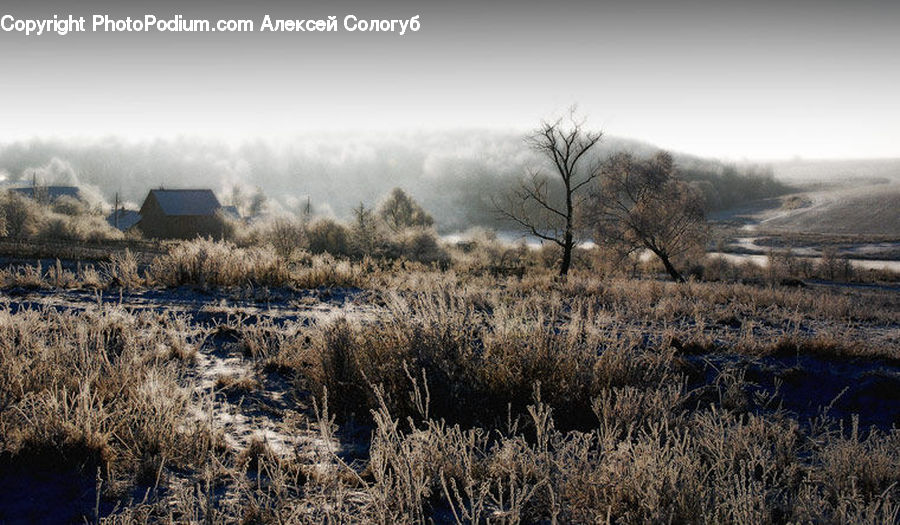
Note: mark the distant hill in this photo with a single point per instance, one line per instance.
(844, 197)
(872, 208)
(454, 174)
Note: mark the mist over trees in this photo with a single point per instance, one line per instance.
(453, 175)
(728, 186)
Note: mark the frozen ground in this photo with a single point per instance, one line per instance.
(279, 413)
(274, 411)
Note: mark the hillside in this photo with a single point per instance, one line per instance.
(855, 197)
(870, 209)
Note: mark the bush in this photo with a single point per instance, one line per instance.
(366, 235)
(22, 216)
(285, 235)
(479, 252)
(90, 228)
(418, 245)
(67, 205)
(206, 263)
(328, 236)
(399, 212)
(66, 219)
(833, 267)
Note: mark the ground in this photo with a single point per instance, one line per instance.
(250, 396)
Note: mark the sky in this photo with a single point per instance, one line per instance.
(735, 80)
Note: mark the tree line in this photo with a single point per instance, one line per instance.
(623, 202)
(453, 174)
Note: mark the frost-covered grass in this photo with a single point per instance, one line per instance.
(453, 396)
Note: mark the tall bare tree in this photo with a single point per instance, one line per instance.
(547, 205)
(641, 205)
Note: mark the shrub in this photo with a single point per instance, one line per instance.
(83, 228)
(399, 212)
(67, 205)
(366, 235)
(67, 219)
(285, 235)
(418, 245)
(22, 216)
(833, 267)
(206, 263)
(327, 235)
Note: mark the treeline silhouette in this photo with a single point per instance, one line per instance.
(453, 174)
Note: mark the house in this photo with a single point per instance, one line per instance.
(181, 214)
(48, 194)
(123, 219)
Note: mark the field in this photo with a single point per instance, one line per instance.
(839, 209)
(216, 384)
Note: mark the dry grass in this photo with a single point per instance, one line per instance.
(482, 348)
(207, 263)
(468, 398)
(201, 263)
(96, 388)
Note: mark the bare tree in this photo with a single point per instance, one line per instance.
(641, 205)
(365, 236)
(547, 206)
(286, 235)
(399, 212)
(257, 203)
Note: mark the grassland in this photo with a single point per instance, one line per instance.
(220, 384)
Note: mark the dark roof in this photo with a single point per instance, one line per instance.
(127, 219)
(52, 192)
(186, 202)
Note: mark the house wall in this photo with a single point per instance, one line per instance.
(155, 224)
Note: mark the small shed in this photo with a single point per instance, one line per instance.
(123, 219)
(180, 214)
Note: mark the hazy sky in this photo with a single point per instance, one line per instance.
(755, 80)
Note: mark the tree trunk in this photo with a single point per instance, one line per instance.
(568, 244)
(669, 268)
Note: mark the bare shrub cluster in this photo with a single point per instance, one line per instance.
(364, 237)
(208, 263)
(66, 219)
